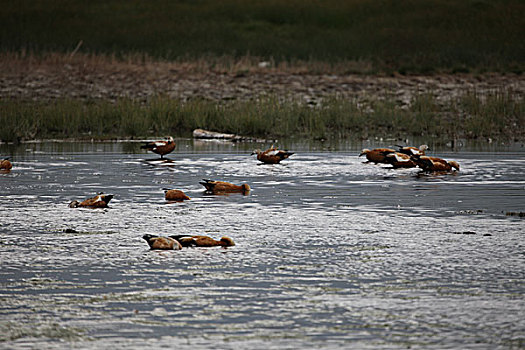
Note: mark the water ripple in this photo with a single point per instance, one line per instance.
(330, 253)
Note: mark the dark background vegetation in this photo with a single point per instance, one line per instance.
(379, 37)
(404, 36)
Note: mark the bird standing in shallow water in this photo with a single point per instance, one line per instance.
(160, 147)
(435, 164)
(203, 241)
(219, 187)
(377, 155)
(175, 195)
(272, 155)
(163, 243)
(99, 201)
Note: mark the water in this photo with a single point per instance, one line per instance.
(330, 252)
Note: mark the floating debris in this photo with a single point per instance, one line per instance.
(206, 134)
(470, 212)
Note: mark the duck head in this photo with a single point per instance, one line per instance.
(228, 242)
(74, 204)
(454, 164)
(147, 237)
(364, 152)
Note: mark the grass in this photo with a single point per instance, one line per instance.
(408, 36)
(499, 115)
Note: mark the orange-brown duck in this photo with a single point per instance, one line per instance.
(400, 160)
(377, 155)
(272, 155)
(99, 201)
(175, 195)
(219, 187)
(5, 164)
(160, 147)
(203, 241)
(435, 164)
(163, 243)
(411, 151)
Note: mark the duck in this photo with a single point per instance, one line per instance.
(5, 164)
(160, 147)
(175, 195)
(377, 155)
(400, 160)
(162, 243)
(218, 187)
(203, 241)
(435, 164)
(272, 155)
(101, 200)
(411, 151)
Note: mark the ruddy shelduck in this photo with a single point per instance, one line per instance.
(272, 155)
(203, 241)
(400, 160)
(160, 147)
(377, 155)
(162, 243)
(175, 195)
(5, 164)
(435, 164)
(412, 151)
(219, 187)
(99, 201)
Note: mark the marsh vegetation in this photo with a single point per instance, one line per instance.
(498, 115)
(268, 69)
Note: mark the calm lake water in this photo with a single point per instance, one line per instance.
(330, 252)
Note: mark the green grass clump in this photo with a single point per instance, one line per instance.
(385, 35)
(496, 115)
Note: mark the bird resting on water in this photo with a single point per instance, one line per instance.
(203, 241)
(272, 155)
(101, 200)
(219, 187)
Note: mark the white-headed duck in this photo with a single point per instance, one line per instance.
(272, 155)
(220, 187)
(164, 243)
(377, 155)
(435, 164)
(160, 147)
(203, 241)
(99, 201)
(175, 195)
(400, 160)
(412, 151)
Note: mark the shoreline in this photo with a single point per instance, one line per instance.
(86, 77)
(59, 95)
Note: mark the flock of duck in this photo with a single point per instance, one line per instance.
(404, 157)
(409, 157)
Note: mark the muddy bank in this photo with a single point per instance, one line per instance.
(104, 78)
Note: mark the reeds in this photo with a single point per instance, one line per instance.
(497, 115)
